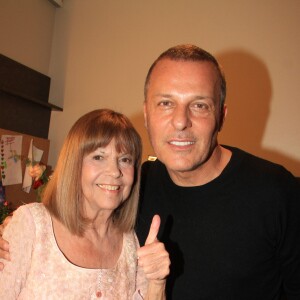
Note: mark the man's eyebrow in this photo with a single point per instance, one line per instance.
(203, 97)
(163, 95)
(196, 97)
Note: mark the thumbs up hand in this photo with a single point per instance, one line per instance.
(153, 257)
(154, 228)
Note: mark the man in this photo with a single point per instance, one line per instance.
(230, 221)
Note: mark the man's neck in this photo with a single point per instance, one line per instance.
(206, 172)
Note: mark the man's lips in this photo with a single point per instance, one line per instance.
(108, 187)
(181, 143)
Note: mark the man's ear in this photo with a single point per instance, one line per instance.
(223, 115)
(145, 115)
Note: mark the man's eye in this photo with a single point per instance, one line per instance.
(202, 106)
(165, 103)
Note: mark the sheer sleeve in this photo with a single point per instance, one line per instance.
(141, 280)
(20, 233)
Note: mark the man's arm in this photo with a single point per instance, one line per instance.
(4, 246)
(154, 260)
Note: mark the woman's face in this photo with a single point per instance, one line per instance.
(107, 178)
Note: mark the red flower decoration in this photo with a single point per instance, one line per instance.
(37, 183)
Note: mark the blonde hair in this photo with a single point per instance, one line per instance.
(63, 194)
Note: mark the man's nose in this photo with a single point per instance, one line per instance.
(181, 118)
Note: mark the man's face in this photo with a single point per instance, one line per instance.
(182, 113)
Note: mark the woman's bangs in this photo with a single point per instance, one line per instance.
(125, 143)
(96, 138)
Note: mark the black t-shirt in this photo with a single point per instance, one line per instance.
(236, 237)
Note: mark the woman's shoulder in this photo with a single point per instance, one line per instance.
(131, 238)
(22, 225)
(130, 245)
(32, 210)
(32, 215)
(30, 207)
(37, 208)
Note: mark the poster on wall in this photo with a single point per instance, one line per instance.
(10, 159)
(34, 157)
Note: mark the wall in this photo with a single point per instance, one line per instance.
(101, 52)
(26, 31)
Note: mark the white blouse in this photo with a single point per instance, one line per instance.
(39, 270)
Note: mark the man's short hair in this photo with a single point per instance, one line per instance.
(188, 52)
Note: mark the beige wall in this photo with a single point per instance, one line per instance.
(26, 32)
(102, 49)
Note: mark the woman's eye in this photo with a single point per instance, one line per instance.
(97, 157)
(126, 160)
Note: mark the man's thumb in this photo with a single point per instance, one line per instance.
(154, 228)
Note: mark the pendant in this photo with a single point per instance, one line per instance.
(98, 294)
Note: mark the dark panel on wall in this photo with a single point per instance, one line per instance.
(24, 105)
(21, 80)
(24, 116)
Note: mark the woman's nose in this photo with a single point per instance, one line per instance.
(114, 169)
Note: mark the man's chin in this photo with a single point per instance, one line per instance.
(179, 166)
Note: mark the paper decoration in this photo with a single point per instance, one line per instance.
(34, 156)
(11, 169)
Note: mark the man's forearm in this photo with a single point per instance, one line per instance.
(156, 290)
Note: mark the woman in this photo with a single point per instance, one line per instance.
(79, 243)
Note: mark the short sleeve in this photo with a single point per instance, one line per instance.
(20, 233)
